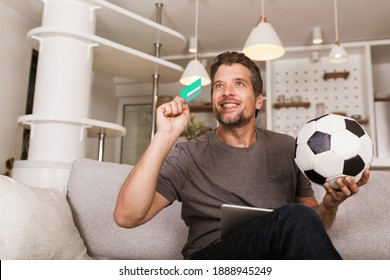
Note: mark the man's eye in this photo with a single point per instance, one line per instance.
(218, 86)
(239, 84)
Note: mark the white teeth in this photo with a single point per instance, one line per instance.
(229, 105)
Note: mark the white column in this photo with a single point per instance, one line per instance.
(62, 93)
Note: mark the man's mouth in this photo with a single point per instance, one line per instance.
(229, 105)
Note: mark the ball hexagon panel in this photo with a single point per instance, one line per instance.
(366, 149)
(306, 132)
(331, 124)
(306, 158)
(328, 164)
(345, 144)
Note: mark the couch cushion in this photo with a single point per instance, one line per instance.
(362, 226)
(36, 223)
(92, 192)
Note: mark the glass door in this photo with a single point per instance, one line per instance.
(137, 118)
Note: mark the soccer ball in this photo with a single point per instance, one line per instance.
(332, 147)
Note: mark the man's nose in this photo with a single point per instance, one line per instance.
(228, 90)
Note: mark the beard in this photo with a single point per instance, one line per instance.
(237, 121)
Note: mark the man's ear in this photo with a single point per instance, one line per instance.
(259, 102)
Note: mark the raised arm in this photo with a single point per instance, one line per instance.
(138, 200)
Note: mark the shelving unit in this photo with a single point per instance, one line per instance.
(68, 53)
(115, 58)
(140, 33)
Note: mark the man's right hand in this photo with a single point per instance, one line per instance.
(173, 117)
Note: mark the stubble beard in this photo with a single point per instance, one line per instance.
(235, 122)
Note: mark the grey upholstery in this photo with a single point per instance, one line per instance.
(92, 191)
(362, 226)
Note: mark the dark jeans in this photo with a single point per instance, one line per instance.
(291, 232)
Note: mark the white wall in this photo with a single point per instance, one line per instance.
(381, 81)
(15, 58)
(381, 73)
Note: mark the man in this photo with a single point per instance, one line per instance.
(236, 163)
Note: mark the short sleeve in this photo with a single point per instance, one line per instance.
(304, 188)
(173, 174)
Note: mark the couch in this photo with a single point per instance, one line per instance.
(42, 223)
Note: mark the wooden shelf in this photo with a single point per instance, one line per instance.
(362, 121)
(291, 104)
(382, 98)
(201, 108)
(335, 75)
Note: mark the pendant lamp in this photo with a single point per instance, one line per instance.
(195, 69)
(263, 43)
(317, 36)
(337, 53)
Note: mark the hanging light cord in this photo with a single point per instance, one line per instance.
(335, 20)
(262, 8)
(262, 17)
(196, 27)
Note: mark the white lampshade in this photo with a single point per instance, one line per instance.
(193, 72)
(337, 54)
(263, 43)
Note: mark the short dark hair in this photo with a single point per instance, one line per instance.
(230, 58)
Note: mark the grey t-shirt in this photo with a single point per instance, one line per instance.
(204, 173)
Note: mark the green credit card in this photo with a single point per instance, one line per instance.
(191, 91)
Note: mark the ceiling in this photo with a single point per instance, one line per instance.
(225, 24)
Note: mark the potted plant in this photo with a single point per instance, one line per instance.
(194, 128)
(9, 163)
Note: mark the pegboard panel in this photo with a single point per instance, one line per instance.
(302, 78)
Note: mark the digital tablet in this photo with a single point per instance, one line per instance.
(234, 217)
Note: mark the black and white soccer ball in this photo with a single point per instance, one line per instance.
(332, 147)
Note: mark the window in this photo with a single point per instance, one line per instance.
(137, 119)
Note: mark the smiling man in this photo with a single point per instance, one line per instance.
(235, 99)
(236, 163)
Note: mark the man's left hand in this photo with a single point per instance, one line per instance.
(347, 188)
